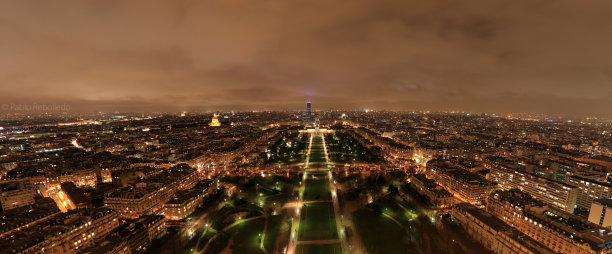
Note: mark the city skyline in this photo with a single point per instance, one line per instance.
(480, 56)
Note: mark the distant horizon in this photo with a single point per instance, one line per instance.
(151, 106)
(296, 110)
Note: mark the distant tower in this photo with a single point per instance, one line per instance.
(214, 122)
(308, 108)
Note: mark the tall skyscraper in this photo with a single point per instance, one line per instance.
(308, 108)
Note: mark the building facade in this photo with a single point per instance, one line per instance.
(16, 194)
(493, 233)
(557, 194)
(65, 233)
(464, 185)
(436, 194)
(149, 197)
(560, 231)
(183, 204)
(589, 190)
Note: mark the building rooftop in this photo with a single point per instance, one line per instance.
(469, 177)
(607, 202)
(183, 197)
(60, 224)
(517, 197)
(24, 215)
(487, 218)
(500, 226)
(591, 181)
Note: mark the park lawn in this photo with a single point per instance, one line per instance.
(391, 206)
(343, 148)
(288, 159)
(287, 151)
(319, 249)
(317, 222)
(291, 160)
(274, 226)
(246, 236)
(316, 190)
(379, 234)
(317, 169)
(317, 155)
(205, 238)
(218, 244)
(317, 152)
(278, 198)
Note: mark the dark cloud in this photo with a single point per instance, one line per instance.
(503, 56)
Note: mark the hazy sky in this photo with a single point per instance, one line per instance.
(550, 56)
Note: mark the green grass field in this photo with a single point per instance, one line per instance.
(274, 225)
(319, 249)
(317, 190)
(317, 222)
(317, 153)
(246, 236)
(379, 234)
(317, 169)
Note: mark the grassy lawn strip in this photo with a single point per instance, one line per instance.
(317, 190)
(317, 222)
(319, 249)
(317, 155)
(317, 169)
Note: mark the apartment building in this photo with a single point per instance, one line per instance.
(558, 230)
(493, 233)
(557, 194)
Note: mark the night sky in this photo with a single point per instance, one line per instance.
(549, 56)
